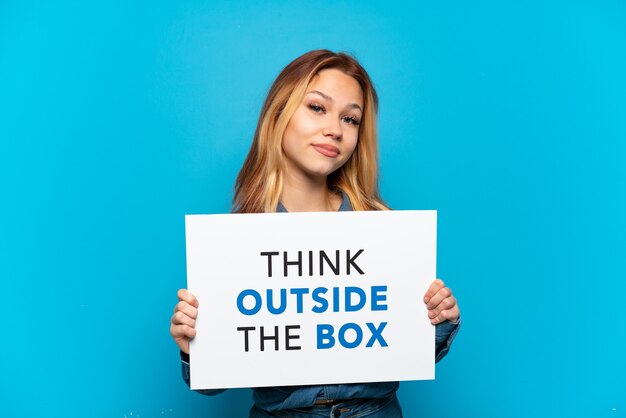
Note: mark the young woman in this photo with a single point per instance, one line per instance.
(315, 149)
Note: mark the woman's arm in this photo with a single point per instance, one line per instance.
(183, 329)
(444, 313)
(183, 322)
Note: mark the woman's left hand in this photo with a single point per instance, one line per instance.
(441, 303)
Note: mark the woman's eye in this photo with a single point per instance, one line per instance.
(352, 120)
(316, 108)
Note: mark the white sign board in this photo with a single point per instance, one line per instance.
(311, 298)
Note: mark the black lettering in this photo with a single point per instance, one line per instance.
(293, 263)
(245, 338)
(269, 255)
(334, 268)
(269, 338)
(288, 337)
(350, 261)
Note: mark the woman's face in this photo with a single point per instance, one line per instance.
(323, 133)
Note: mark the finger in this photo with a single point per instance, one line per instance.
(187, 309)
(444, 305)
(179, 318)
(433, 289)
(183, 345)
(438, 297)
(181, 340)
(446, 315)
(182, 331)
(186, 296)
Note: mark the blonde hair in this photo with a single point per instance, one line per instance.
(260, 180)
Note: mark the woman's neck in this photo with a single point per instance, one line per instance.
(310, 195)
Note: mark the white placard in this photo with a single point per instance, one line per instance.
(346, 292)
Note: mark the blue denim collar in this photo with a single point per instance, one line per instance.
(345, 205)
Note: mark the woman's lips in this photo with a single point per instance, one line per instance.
(327, 150)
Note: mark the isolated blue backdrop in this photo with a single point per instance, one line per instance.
(119, 117)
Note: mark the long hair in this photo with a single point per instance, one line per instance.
(260, 181)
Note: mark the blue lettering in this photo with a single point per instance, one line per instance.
(257, 302)
(342, 335)
(270, 302)
(377, 298)
(377, 334)
(299, 292)
(348, 299)
(335, 299)
(323, 303)
(325, 337)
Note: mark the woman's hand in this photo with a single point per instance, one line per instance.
(183, 321)
(441, 303)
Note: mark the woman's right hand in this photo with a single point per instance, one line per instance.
(183, 323)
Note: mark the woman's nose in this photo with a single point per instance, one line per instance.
(333, 129)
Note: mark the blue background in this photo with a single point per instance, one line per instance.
(119, 117)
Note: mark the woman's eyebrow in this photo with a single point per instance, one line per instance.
(330, 99)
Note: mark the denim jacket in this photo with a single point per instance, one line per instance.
(291, 397)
